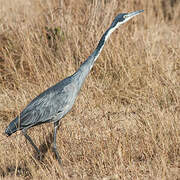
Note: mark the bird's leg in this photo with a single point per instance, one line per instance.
(31, 142)
(56, 125)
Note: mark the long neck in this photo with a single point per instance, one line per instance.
(89, 62)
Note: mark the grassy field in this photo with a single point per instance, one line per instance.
(125, 123)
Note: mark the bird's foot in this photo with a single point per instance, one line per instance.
(57, 156)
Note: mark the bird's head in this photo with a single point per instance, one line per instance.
(122, 18)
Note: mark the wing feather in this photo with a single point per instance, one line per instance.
(46, 106)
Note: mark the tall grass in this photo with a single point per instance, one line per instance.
(125, 123)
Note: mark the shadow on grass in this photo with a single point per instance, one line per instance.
(44, 147)
(23, 170)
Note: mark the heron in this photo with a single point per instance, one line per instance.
(55, 102)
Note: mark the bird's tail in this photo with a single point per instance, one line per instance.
(13, 127)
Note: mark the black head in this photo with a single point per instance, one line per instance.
(122, 18)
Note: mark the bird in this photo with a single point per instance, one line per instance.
(54, 103)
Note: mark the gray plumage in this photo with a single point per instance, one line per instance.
(54, 103)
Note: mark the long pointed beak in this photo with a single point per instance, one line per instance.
(132, 14)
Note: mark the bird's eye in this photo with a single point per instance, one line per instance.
(124, 16)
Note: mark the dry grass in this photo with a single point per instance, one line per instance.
(125, 123)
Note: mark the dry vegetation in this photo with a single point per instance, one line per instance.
(125, 123)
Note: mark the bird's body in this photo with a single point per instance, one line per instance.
(54, 103)
(49, 106)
